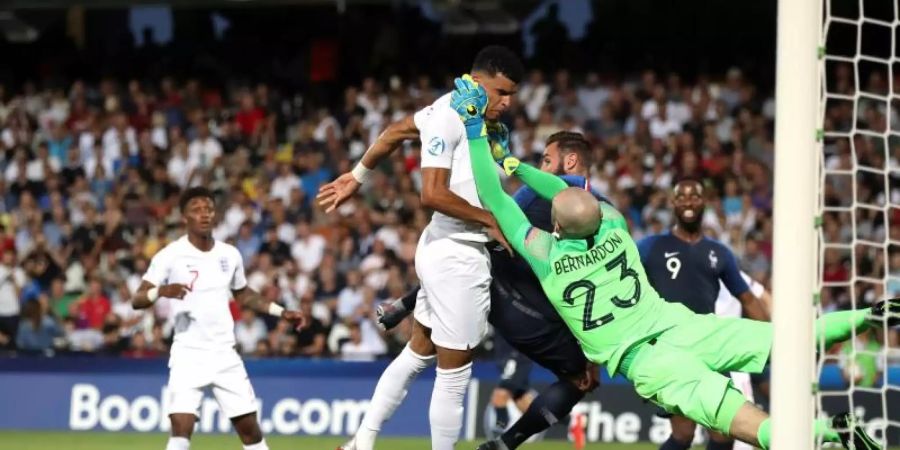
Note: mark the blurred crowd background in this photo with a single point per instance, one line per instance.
(97, 144)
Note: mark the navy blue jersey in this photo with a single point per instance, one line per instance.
(689, 273)
(538, 210)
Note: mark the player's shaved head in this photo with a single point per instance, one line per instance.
(575, 213)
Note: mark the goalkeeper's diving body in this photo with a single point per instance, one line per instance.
(590, 269)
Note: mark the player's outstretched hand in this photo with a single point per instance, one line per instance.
(887, 311)
(334, 194)
(470, 100)
(494, 232)
(498, 135)
(174, 290)
(295, 317)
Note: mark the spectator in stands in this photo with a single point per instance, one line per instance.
(275, 247)
(248, 331)
(12, 280)
(351, 296)
(91, 309)
(311, 340)
(140, 348)
(37, 330)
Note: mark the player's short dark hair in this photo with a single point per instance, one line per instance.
(495, 59)
(192, 193)
(572, 142)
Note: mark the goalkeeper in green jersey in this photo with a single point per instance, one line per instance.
(592, 274)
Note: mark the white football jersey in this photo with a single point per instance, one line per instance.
(729, 306)
(202, 320)
(444, 145)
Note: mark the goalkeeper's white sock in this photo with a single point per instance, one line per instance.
(446, 410)
(261, 445)
(178, 443)
(389, 393)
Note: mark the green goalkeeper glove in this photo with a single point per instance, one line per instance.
(470, 100)
(498, 135)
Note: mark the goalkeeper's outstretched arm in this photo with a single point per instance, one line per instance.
(513, 222)
(546, 185)
(530, 242)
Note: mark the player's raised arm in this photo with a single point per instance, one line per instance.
(546, 185)
(333, 194)
(469, 101)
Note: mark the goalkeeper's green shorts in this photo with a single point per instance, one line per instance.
(681, 370)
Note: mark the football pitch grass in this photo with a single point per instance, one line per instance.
(55, 440)
(35, 440)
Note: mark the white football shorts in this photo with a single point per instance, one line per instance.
(454, 299)
(191, 371)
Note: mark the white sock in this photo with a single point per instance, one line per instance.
(261, 445)
(178, 443)
(446, 410)
(389, 393)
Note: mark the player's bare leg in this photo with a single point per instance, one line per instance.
(682, 436)
(392, 387)
(719, 441)
(182, 428)
(523, 402)
(247, 428)
(446, 411)
(753, 426)
(499, 398)
(747, 422)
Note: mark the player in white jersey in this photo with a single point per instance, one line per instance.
(451, 259)
(729, 306)
(201, 275)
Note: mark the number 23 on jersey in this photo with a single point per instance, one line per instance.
(573, 289)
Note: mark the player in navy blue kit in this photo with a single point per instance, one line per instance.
(521, 313)
(685, 267)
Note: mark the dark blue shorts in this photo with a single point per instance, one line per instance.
(522, 315)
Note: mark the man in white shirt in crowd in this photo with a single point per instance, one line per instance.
(12, 280)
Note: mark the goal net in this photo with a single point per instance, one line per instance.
(859, 207)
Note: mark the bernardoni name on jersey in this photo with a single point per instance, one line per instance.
(596, 254)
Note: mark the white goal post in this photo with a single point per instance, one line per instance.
(796, 186)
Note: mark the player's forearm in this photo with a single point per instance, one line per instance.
(141, 300)
(251, 299)
(546, 185)
(504, 208)
(388, 141)
(754, 307)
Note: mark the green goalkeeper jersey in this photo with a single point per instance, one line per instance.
(600, 289)
(597, 285)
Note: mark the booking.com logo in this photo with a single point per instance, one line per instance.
(89, 410)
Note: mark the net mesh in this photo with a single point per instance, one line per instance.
(859, 207)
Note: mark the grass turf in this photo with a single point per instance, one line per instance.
(55, 440)
(38, 440)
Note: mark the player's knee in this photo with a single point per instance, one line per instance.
(182, 425)
(247, 428)
(499, 397)
(584, 381)
(420, 340)
(683, 430)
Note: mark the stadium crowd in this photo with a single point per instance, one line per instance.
(91, 174)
